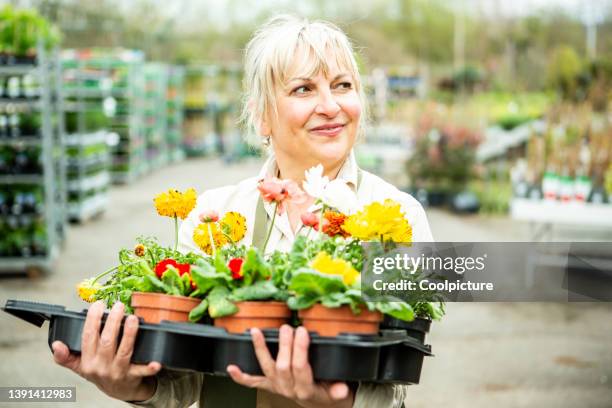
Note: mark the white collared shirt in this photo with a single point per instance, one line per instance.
(243, 198)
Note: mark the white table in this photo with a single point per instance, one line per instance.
(543, 214)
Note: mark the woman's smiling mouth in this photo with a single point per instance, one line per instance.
(330, 129)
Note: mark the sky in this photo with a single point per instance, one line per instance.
(218, 11)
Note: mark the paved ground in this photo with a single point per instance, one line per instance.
(502, 355)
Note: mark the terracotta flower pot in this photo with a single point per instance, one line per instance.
(155, 307)
(333, 321)
(260, 314)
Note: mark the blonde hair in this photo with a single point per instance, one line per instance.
(272, 52)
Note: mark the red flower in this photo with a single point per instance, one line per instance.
(235, 265)
(161, 267)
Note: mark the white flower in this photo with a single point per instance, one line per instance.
(335, 194)
(315, 182)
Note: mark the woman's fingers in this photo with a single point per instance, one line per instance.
(62, 356)
(126, 347)
(251, 381)
(91, 331)
(107, 347)
(144, 370)
(284, 375)
(266, 362)
(338, 391)
(302, 372)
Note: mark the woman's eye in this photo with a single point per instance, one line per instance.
(345, 85)
(301, 89)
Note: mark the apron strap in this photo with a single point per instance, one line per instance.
(260, 227)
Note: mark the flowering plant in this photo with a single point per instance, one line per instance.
(326, 269)
(151, 267)
(236, 274)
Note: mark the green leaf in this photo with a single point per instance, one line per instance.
(143, 269)
(152, 284)
(199, 311)
(220, 265)
(125, 296)
(254, 267)
(131, 282)
(173, 281)
(301, 302)
(206, 277)
(261, 290)
(399, 310)
(186, 284)
(219, 304)
(196, 293)
(336, 300)
(306, 282)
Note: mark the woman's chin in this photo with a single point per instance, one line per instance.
(329, 154)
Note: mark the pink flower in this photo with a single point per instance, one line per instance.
(275, 190)
(209, 216)
(310, 219)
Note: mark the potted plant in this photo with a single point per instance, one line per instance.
(324, 283)
(153, 281)
(243, 289)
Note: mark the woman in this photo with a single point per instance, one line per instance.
(304, 97)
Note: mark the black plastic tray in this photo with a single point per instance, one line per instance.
(418, 328)
(392, 356)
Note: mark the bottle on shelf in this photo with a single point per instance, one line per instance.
(551, 185)
(566, 187)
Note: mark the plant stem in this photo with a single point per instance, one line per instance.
(175, 233)
(263, 250)
(104, 273)
(212, 239)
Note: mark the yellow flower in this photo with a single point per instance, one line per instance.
(324, 263)
(201, 236)
(87, 291)
(234, 225)
(379, 221)
(173, 203)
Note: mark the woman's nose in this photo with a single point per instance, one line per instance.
(327, 104)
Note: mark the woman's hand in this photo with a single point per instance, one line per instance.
(291, 375)
(105, 364)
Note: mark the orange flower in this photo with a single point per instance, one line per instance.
(334, 223)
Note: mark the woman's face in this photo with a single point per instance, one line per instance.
(317, 119)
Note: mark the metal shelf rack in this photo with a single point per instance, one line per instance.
(175, 98)
(32, 173)
(87, 109)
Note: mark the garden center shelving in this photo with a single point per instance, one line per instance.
(87, 92)
(32, 173)
(175, 96)
(126, 127)
(202, 109)
(156, 78)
